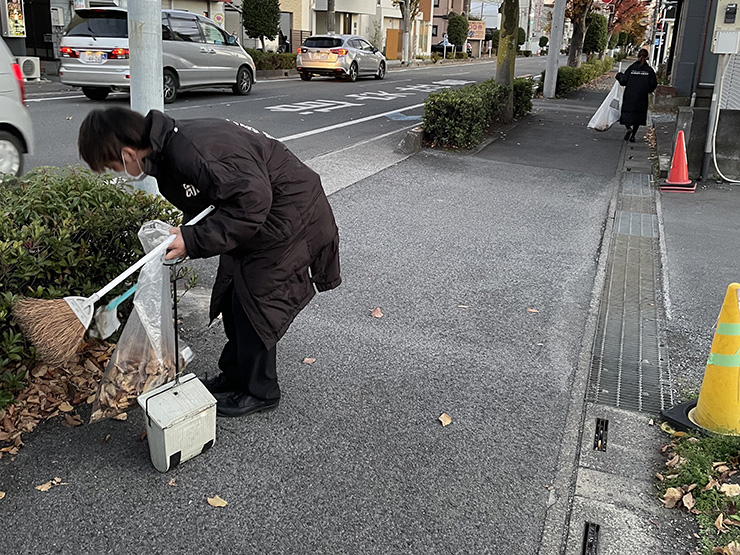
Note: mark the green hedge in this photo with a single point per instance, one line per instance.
(63, 232)
(271, 60)
(458, 118)
(570, 78)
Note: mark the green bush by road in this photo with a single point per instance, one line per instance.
(570, 78)
(459, 118)
(63, 232)
(271, 60)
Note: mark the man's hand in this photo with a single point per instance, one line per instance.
(177, 248)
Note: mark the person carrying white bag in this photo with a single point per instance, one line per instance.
(609, 111)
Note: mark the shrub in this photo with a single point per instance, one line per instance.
(272, 60)
(570, 78)
(64, 232)
(527, 53)
(543, 41)
(436, 56)
(523, 92)
(596, 35)
(457, 118)
(457, 30)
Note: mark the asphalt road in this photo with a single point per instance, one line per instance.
(313, 118)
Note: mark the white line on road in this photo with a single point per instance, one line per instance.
(345, 124)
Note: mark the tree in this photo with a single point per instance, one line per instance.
(261, 19)
(495, 37)
(409, 10)
(624, 13)
(596, 35)
(506, 58)
(543, 41)
(457, 30)
(613, 41)
(521, 37)
(577, 11)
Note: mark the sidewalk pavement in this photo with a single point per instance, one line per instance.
(488, 268)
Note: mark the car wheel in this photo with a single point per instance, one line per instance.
(11, 154)
(96, 93)
(306, 76)
(170, 86)
(352, 75)
(381, 71)
(243, 81)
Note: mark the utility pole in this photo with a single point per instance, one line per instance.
(145, 61)
(529, 16)
(556, 43)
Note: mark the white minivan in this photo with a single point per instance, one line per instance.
(196, 53)
(16, 131)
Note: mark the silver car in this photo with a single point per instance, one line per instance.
(196, 53)
(16, 131)
(340, 56)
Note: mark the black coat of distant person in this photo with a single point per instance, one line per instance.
(639, 81)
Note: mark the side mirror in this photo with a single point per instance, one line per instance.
(232, 40)
(375, 50)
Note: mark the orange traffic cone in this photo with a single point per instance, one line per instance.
(678, 178)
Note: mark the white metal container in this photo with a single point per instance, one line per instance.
(180, 419)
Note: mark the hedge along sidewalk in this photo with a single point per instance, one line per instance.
(570, 78)
(459, 118)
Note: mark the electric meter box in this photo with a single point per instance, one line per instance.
(726, 39)
(180, 419)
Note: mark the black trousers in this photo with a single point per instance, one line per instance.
(244, 359)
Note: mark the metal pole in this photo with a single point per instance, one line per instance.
(713, 114)
(529, 16)
(145, 61)
(556, 43)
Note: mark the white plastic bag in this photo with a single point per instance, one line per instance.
(144, 356)
(609, 111)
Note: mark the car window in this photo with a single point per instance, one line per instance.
(354, 43)
(322, 42)
(101, 24)
(365, 45)
(213, 34)
(185, 29)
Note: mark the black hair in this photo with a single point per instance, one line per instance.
(643, 52)
(104, 133)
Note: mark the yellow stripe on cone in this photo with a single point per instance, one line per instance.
(718, 407)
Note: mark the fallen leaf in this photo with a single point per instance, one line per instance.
(680, 434)
(445, 419)
(718, 523)
(142, 437)
(462, 306)
(659, 476)
(730, 490)
(122, 417)
(44, 487)
(532, 310)
(2, 495)
(172, 482)
(309, 360)
(216, 501)
(675, 462)
(106, 438)
(667, 428)
(712, 482)
(377, 313)
(66, 407)
(720, 463)
(71, 421)
(651, 422)
(690, 488)
(688, 501)
(671, 497)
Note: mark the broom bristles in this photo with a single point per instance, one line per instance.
(51, 326)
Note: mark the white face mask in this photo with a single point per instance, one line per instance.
(125, 173)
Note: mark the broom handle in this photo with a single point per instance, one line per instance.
(154, 253)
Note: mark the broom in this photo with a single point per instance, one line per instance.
(56, 327)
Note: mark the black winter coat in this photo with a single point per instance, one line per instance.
(639, 81)
(272, 226)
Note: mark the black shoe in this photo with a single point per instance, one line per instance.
(221, 384)
(242, 404)
(632, 138)
(627, 135)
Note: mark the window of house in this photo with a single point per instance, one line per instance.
(434, 30)
(436, 3)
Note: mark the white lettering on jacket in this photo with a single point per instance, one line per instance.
(252, 129)
(190, 191)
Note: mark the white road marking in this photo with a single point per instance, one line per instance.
(345, 124)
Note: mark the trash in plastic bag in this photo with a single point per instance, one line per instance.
(144, 355)
(609, 111)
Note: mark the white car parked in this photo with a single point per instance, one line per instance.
(16, 130)
(196, 53)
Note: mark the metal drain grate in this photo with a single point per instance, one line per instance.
(627, 366)
(602, 427)
(590, 539)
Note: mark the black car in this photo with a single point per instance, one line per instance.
(440, 47)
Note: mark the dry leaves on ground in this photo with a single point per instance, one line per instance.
(309, 360)
(730, 549)
(2, 495)
(533, 310)
(216, 501)
(51, 484)
(53, 391)
(377, 313)
(445, 419)
(730, 490)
